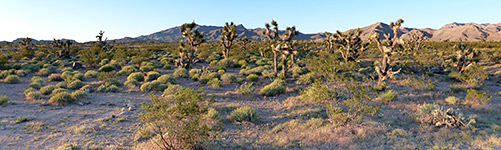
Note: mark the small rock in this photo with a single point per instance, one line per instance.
(80, 103)
(113, 116)
(3, 128)
(132, 108)
(59, 107)
(124, 109)
(44, 104)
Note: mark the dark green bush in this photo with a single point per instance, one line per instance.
(214, 83)
(152, 75)
(253, 77)
(274, 88)
(317, 93)
(79, 95)
(47, 90)
(61, 99)
(167, 79)
(181, 73)
(136, 76)
(91, 74)
(107, 68)
(4, 100)
(75, 84)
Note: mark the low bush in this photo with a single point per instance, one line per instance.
(166, 79)
(47, 90)
(153, 86)
(131, 84)
(107, 68)
(75, 84)
(152, 75)
(4, 100)
(61, 85)
(91, 74)
(35, 85)
(78, 75)
(253, 77)
(59, 90)
(112, 88)
(12, 79)
(79, 95)
(195, 73)
(317, 93)
(244, 113)
(61, 99)
(305, 79)
(228, 78)
(129, 69)
(136, 76)
(34, 95)
(435, 115)
(389, 96)
(55, 77)
(245, 89)
(112, 81)
(172, 90)
(475, 97)
(212, 113)
(214, 83)
(452, 100)
(456, 88)
(147, 68)
(274, 88)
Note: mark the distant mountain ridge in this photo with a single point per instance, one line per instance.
(34, 41)
(451, 32)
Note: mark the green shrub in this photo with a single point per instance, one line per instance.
(136, 76)
(35, 95)
(129, 69)
(131, 84)
(47, 90)
(59, 90)
(475, 97)
(21, 73)
(4, 100)
(245, 89)
(152, 86)
(228, 78)
(182, 116)
(152, 75)
(78, 75)
(165, 79)
(146, 68)
(112, 81)
(107, 68)
(305, 79)
(389, 96)
(296, 71)
(79, 95)
(212, 113)
(420, 83)
(67, 69)
(452, 100)
(28, 91)
(456, 88)
(113, 89)
(35, 85)
(195, 73)
(61, 85)
(253, 77)
(91, 74)
(435, 115)
(181, 73)
(274, 88)
(172, 90)
(317, 93)
(215, 83)
(12, 79)
(244, 113)
(75, 84)
(67, 76)
(55, 77)
(61, 99)
(474, 76)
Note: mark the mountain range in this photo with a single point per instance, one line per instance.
(451, 32)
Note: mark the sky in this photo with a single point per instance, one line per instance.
(82, 20)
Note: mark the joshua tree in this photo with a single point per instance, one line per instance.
(415, 42)
(64, 46)
(386, 47)
(465, 57)
(243, 42)
(26, 46)
(229, 34)
(194, 39)
(351, 45)
(281, 44)
(93, 55)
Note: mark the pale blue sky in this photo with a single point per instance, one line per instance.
(82, 20)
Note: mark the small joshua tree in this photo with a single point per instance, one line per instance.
(415, 42)
(26, 46)
(386, 47)
(93, 55)
(194, 39)
(64, 47)
(229, 34)
(465, 57)
(351, 45)
(281, 44)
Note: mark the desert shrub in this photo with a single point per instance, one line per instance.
(35, 85)
(21, 73)
(79, 95)
(91, 74)
(195, 73)
(214, 75)
(317, 93)
(146, 68)
(131, 84)
(47, 90)
(228, 78)
(152, 86)
(129, 69)
(113, 89)
(78, 75)
(212, 113)
(456, 88)
(61, 99)
(31, 68)
(389, 96)
(112, 81)
(214, 83)
(475, 97)
(12, 79)
(67, 76)
(296, 71)
(67, 69)
(104, 61)
(34, 95)
(55, 77)
(224, 63)
(420, 83)
(172, 90)
(182, 117)
(474, 76)
(221, 72)
(257, 70)
(107, 68)
(274, 88)
(454, 75)
(253, 77)
(452, 100)
(244, 113)
(75, 84)
(435, 115)
(337, 115)
(165, 79)
(4, 100)
(136, 76)
(59, 90)
(305, 79)
(29, 90)
(61, 85)
(181, 73)
(152, 75)
(245, 89)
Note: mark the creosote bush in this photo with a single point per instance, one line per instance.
(181, 73)
(55, 77)
(47, 90)
(215, 83)
(91, 74)
(152, 75)
(317, 93)
(244, 113)
(253, 77)
(12, 79)
(228, 78)
(452, 100)
(389, 96)
(61, 99)
(245, 89)
(4, 100)
(274, 88)
(107, 68)
(172, 90)
(475, 97)
(136, 76)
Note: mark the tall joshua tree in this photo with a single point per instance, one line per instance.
(386, 47)
(281, 44)
(229, 34)
(351, 45)
(194, 39)
(63, 46)
(26, 46)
